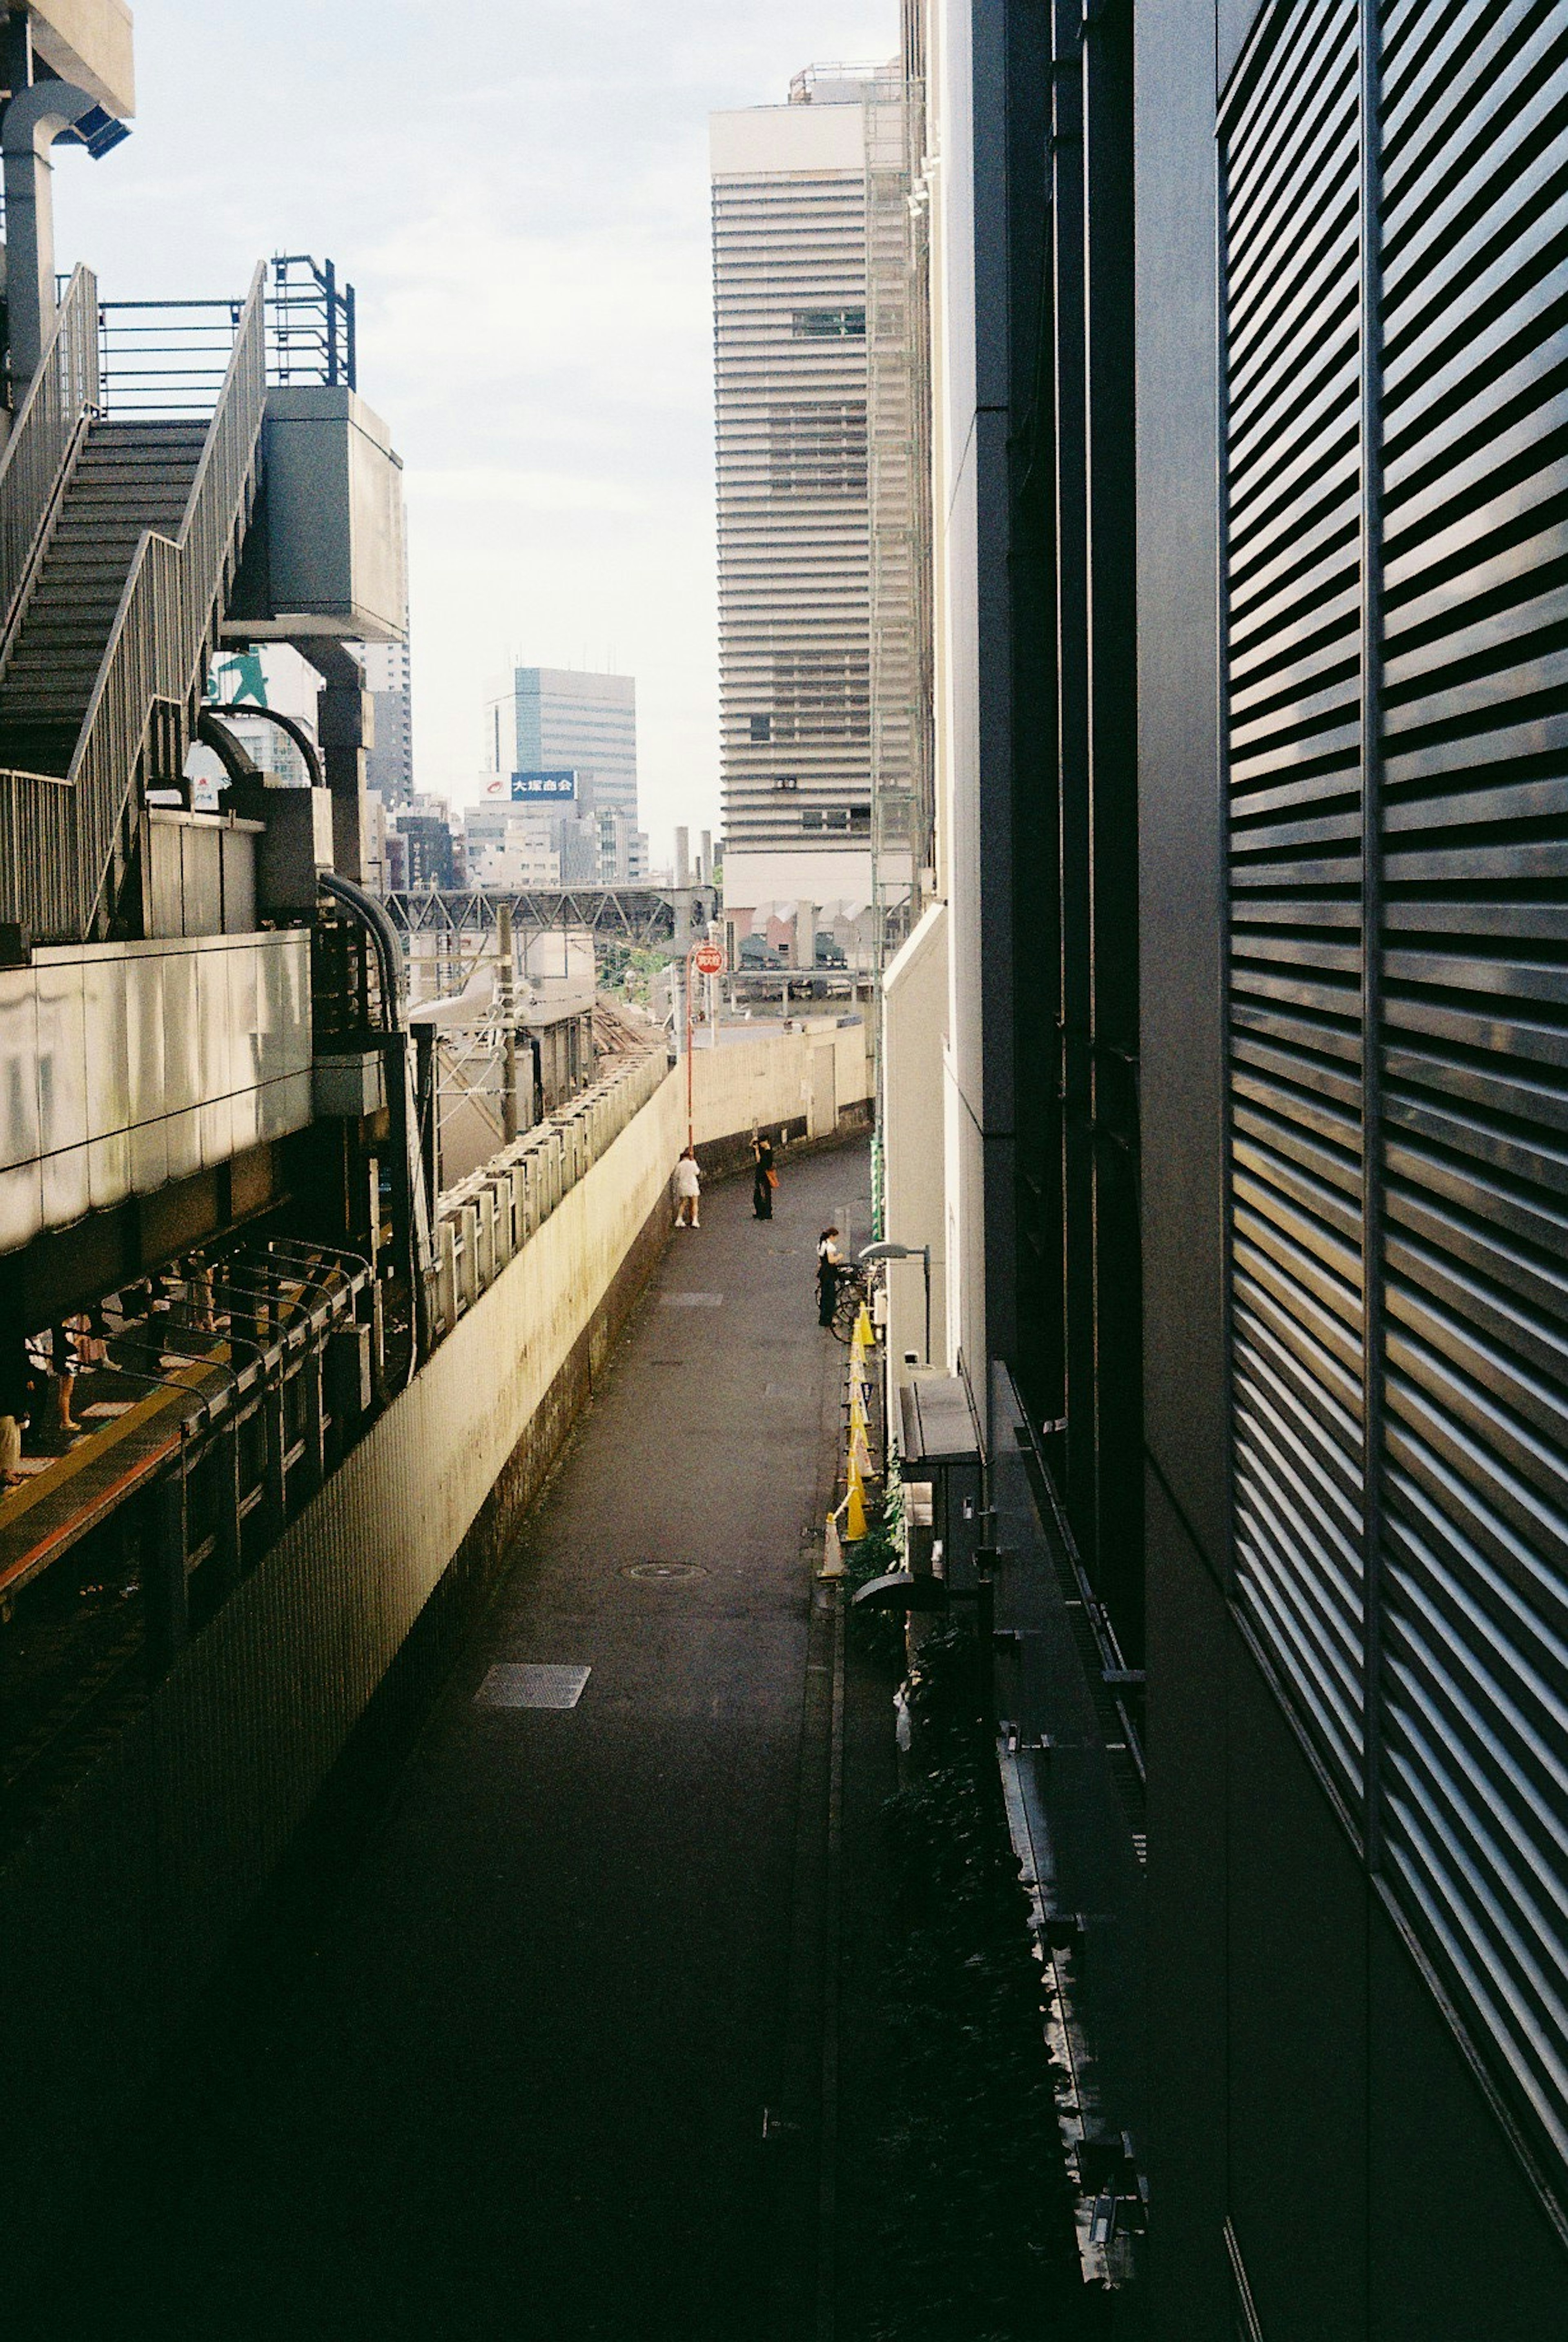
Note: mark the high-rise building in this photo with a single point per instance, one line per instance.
(389, 764)
(795, 665)
(544, 720)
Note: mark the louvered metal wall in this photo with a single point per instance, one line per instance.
(1412, 1413)
(1293, 597)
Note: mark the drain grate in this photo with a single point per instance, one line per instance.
(663, 1573)
(514, 1686)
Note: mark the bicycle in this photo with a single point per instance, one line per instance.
(853, 1295)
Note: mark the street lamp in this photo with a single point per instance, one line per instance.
(906, 1252)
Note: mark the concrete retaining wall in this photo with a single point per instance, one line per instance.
(116, 1912)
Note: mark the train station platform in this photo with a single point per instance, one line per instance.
(524, 2076)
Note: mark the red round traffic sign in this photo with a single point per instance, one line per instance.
(710, 959)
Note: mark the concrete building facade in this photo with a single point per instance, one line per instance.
(389, 764)
(790, 302)
(541, 721)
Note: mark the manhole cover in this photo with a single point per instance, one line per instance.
(665, 1573)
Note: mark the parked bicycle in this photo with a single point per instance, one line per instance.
(853, 1295)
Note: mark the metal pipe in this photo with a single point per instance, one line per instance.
(409, 1153)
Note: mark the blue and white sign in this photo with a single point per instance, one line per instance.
(553, 786)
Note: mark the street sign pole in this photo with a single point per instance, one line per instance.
(707, 959)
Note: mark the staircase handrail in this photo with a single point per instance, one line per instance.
(61, 399)
(162, 631)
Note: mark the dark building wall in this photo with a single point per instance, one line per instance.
(1336, 2094)
(1038, 508)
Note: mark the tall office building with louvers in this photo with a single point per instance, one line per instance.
(790, 293)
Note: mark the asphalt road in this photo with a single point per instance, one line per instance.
(519, 2089)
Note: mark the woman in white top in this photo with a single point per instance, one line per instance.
(688, 1188)
(830, 1263)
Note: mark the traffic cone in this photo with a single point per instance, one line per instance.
(832, 1550)
(863, 1333)
(854, 1507)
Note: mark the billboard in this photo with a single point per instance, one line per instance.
(552, 787)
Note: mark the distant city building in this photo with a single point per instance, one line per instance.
(796, 644)
(543, 723)
(389, 765)
(507, 845)
(429, 851)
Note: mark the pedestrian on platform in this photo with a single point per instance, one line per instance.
(16, 1403)
(65, 1365)
(829, 1268)
(688, 1189)
(765, 1179)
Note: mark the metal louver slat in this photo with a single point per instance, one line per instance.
(1293, 366)
(1396, 500)
(1474, 1057)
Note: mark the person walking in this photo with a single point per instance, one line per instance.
(688, 1189)
(829, 1267)
(765, 1179)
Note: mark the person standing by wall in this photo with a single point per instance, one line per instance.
(16, 1403)
(688, 1189)
(765, 1179)
(829, 1264)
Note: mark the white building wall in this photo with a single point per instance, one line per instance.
(914, 1031)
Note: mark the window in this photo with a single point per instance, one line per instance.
(860, 818)
(811, 820)
(762, 730)
(786, 780)
(836, 818)
(816, 447)
(821, 698)
(828, 324)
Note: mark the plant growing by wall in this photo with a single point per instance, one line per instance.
(976, 2242)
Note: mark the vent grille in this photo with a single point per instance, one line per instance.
(1475, 1007)
(816, 447)
(1292, 644)
(1450, 561)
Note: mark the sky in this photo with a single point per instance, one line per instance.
(518, 191)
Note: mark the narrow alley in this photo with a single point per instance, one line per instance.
(515, 2084)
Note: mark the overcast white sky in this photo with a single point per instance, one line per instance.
(518, 190)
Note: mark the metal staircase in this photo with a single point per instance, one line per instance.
(118, 545)
(128, 477)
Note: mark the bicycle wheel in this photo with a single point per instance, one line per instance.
(846, 1308)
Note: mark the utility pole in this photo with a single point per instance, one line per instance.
(506, 995)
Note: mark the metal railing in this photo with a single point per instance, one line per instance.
(165, 358)
(169, 358)
(311, 328)
(486, 1220)
(35, 464)
(163, 629)
(60, 838)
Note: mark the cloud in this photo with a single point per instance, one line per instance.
(519, 193)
